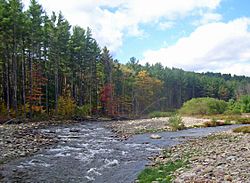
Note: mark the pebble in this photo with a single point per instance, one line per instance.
(23, 140)
(228, 178)
(223, 157)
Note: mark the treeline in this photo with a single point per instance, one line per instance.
(48, 67)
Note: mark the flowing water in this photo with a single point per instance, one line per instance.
(90, 152)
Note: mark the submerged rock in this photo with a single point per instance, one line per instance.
(74, 130)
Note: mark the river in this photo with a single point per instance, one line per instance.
(89, 152)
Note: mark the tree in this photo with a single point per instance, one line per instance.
(146, 91)
(35, 21)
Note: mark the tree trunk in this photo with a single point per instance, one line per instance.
(7, 87)
(81, 92)
(14, 58)
(23, 83)
(31, 84)
(56, 87)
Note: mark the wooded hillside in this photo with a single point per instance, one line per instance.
(49, 67)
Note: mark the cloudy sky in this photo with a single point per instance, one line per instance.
(195, 35)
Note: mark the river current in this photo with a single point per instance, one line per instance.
(91, 153)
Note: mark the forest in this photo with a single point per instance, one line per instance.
(50, 68)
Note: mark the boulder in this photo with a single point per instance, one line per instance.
(155, 136)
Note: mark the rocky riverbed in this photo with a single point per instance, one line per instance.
(131, 127)
(20, 140)
(217, 158)
(222, 157)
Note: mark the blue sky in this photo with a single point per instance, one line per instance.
(195, 35)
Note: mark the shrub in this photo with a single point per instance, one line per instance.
(244, 103)
(157, 114)
(233, 107)
(203, 106)
(176, 123)
(243, 120)
(66, 106)
(83, 111)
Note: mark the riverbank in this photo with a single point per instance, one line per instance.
(128, 128)
(222, 157)
(84, 147)
(25, 139)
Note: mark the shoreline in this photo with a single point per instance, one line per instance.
(221, 157)
(22, 140)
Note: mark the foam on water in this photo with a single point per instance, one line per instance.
(91, 154)
(110, 163)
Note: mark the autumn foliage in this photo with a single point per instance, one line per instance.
(107, 100)
(36, 98)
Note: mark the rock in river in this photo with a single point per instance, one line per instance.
(155, 136)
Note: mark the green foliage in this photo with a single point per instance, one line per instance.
(176, 123)
(240, 106)
(73, 60)
(66, 106)
(83, 111)
(157, 114)
(242, 129)
(244, 103)
(161, 173)
(203, 106)
(233, 107)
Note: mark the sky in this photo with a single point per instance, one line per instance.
(195, 35)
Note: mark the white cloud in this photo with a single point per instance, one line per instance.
(215, 47)
(111, 20)
(208, 18)
(166, 25)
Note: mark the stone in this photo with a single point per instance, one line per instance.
(194, 158)
(155, 136)
(74, 130)
(228, 178)
(198, 168)
(208, 169)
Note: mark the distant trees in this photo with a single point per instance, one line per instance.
(46, 64)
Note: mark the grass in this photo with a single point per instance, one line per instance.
(228, 120)
(158, 114)
(243, 120)
(161, 173)
(243, 129)
(176, 123)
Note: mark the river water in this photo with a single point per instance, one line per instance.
(89, 152)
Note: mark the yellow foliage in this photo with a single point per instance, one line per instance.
(66, 106)
(142, 74)
(147, 88)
